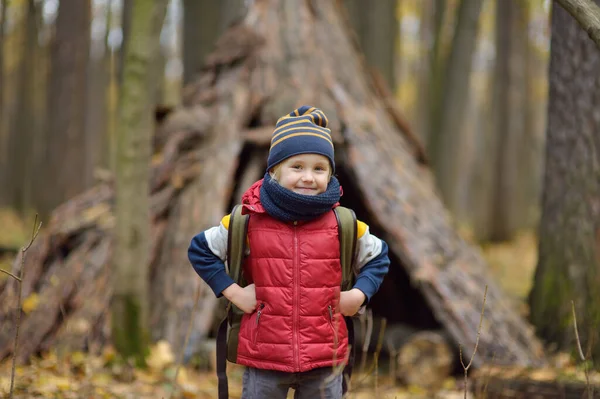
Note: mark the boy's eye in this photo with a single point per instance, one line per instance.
(320, 168)
(297, 167)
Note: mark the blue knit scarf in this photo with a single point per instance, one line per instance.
(288, 206)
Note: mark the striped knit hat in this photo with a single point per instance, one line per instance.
(302, 131)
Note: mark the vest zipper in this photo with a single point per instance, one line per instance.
(296, 304)
(262, 305)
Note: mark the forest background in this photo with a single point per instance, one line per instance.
(470, 77)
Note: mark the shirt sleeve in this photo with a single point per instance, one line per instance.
(372, 261)
(207, 253)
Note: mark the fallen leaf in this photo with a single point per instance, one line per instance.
(160, 356)
(31, 303)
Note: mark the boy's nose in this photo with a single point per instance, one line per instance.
(307, 176)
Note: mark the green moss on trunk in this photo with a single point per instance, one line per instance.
(129, 333)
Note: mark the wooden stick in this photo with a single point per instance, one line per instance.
(18, 316)
(587, 14)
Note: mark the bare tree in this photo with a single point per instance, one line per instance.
(23, 129)
(510, 114)
(446, 130)
(203, 23)
(132, 253)
(569, 262)
(66, 155)
(377, 29)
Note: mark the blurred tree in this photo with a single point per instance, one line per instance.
(376, 27)
(509, 107)
(448, 113)
(22, 128)
(97, 118)
(125, 29)
(3, 129)
(129, 305)
(430, 76)
(569, 237)
(66, 148)
(203, 23)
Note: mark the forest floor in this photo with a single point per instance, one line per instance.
(78, 375)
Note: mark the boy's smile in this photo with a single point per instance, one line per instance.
(306, 174)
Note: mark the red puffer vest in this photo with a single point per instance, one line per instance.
(297, 273)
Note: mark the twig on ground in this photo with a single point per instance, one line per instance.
(185, 341)
(367, 340)
(466, 368)
(34, 234)
(589, 388)
(377, 352)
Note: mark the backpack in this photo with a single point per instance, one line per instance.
(227, 335)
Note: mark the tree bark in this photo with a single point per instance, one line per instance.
(569, 236)
(204, 21)
(509, 119)
(132, 231)
(448, 125)
(200, 31)
(587, 13)
(66, 155)
(376, 28)
(22, 140)
(3, 128)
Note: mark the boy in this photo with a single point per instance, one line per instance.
(292, 332)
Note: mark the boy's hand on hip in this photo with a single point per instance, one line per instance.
(243, 298)
(351, 301)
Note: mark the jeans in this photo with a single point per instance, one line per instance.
(271, 384)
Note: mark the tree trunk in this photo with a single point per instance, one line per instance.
(3, 127)
(126, 15)
(201, 25)
(510, 114)
(66, 155)
(569, 249)
(446, 141)
(132, 231)
(22, 141)
(376, 27)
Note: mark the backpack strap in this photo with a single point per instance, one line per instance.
(347, 230)
(236, 246)
(236, 243)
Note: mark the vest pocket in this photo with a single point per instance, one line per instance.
(333, 329)
(258, 314)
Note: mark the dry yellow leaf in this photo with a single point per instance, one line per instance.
(160, 356)
(31, 303)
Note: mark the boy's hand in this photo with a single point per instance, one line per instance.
(351, 301)
(243, 298)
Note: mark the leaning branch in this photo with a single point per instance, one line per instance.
(587, 13)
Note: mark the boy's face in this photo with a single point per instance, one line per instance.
(306, 174)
